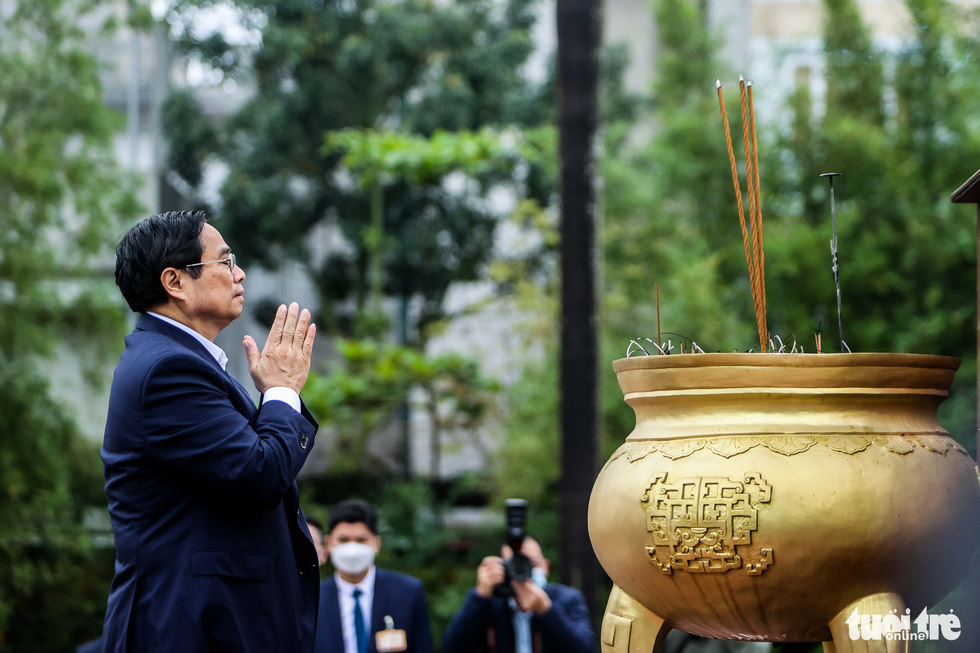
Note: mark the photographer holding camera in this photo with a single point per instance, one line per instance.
(514, 609)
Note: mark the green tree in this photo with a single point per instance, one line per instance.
(381, 160)
(410, 65)
(855, 78)
(907, 254)
(526, 464)
(62, 194)
(370, 380)
(670, 216)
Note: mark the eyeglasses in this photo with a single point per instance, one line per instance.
(230, 262)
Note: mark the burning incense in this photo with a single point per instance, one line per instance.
(760, 317)
(757, 227)
(750, 161)
(747, 145)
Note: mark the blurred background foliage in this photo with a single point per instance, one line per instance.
(392, 123)
(409, 67)
(369, 381)
(62, 195)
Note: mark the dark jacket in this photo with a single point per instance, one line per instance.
(486, 625)
(396, 595)
(212, 550)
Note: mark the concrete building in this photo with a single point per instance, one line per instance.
(775, 43)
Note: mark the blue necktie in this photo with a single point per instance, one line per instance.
(360, 630)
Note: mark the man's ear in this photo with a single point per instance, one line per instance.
(377, 542)
(173, 282)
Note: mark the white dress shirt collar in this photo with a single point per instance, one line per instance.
(213, 349)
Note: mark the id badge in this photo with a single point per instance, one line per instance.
(389, 639)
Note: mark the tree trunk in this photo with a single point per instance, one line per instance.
(579, 36)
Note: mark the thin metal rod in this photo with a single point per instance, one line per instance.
(657, 286)
(833, 253)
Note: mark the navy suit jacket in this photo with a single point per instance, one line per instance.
(212, 550)
(396, 595)
(565, 628)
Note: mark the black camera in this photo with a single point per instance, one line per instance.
(518, 567)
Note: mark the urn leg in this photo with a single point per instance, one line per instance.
(861, 627)
(628, 627)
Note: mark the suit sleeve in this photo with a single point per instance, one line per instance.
(567, 626)
(421, 627)
(467, 632)
(192, 426)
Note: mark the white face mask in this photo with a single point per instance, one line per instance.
(539, 577)
(352, 557)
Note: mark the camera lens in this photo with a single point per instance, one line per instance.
(520, 567)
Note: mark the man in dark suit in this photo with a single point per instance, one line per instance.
(540, 617)
(363, 608)
(212, 549)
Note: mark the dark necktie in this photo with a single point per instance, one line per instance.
(360, 629)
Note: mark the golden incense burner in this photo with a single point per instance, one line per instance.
(767, 496)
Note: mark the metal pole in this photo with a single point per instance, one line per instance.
(833, 253)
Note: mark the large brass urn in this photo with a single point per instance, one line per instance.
(767, 496)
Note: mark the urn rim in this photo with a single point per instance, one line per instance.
(743, 359)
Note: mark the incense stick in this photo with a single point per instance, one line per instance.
(761, 253)
(747, 145)
(757, 292)
(741, 210)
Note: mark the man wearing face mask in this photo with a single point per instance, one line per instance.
(540, 617)
(363, 608)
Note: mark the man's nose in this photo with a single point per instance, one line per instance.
(239, 271)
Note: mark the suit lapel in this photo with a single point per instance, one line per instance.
(150, 323)
(239, 396)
